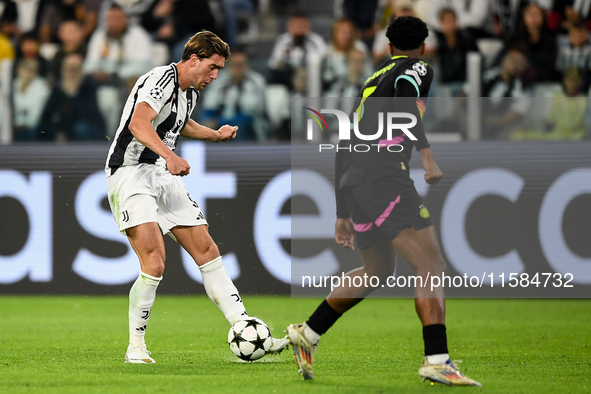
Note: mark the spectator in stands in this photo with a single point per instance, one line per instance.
(135, 10)
(566, 120)
(231, 10)
(237, 98)
(56, 11)
(175, 21)
(298, 96)
(453, 45)
(344, 40)
(395, 8)
(28, 15)
(508, 90)
(9, 18)
(72, 41)
(119, 53)
(341, 93)
(28, 48)
(577, 53)
(472, 16)
(567, 116)
(566, 13)
(506, 15)
(362, 13)
(29, 94)
(293, 48)
(6, 47)
(538, 42)
(72, 112)
(350, 84)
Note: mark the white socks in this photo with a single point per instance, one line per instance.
(217, 283)
(141, 300)
(438, 358)
(221, 290)
(312, 336)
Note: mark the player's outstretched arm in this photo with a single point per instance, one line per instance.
(432, 172)
(143, 131)
(197, 131)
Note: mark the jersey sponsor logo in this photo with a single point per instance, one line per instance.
(420, 68)
(170, 139)
(157, 93)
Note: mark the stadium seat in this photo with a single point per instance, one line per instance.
(489, 48)
(278, 104)
(110, 106)
(160, 54)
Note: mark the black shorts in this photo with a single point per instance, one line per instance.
(382, 208)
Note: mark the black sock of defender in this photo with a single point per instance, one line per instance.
(323, 318)
(435, 339)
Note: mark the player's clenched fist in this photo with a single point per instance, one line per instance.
(178, 166)
(432, 172)
(227, 132)
(433, 176)
(344, 233)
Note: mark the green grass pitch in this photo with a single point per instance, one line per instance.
(76, 344)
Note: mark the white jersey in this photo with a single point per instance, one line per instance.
(160, 90)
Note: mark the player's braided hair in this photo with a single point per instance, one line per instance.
(407, 33)
(205, 44)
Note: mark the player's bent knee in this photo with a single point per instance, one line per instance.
(154, 268)
(154, 262)
(211, 251)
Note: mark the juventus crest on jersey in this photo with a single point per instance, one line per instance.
(160, 90)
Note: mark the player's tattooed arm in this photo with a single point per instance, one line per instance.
(432, 172)
(143, 131)
(197, 131)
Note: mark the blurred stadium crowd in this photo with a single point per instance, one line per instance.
(74, 61)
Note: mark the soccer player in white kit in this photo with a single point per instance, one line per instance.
(147, 195)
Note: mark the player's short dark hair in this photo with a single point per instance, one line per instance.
(205, 44)
(407, 33)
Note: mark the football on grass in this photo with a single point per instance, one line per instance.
(249, 339)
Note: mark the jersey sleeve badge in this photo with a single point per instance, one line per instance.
(157, 93)
(420, 68)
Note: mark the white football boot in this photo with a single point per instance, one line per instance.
(138, 355)
(278, 345)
